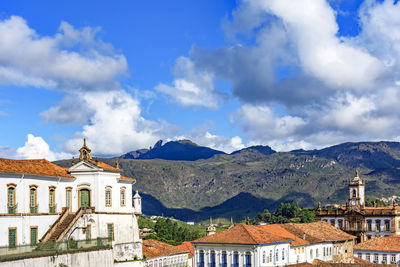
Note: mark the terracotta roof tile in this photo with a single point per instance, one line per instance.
(127, 178)
(387, 243)
(317, 232)
(249, 234)
(187, 246)
(105, 166)
(33, 166)
(153, 248)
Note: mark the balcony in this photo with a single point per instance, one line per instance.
(34, 209)
(52, 208)
(12, 209)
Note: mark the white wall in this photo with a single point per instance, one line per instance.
(363, 255)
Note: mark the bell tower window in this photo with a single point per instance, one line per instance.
(354, 193)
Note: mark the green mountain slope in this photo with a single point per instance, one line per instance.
(248, 181)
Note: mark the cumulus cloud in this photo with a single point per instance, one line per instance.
(36, 148)
(192, 87)
(300, 82)
(70, 60)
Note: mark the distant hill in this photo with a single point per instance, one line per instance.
(173, 150)
(253, 179)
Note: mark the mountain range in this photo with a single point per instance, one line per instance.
(191, 182)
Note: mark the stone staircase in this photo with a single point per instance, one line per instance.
(61, 227)
(63, 224)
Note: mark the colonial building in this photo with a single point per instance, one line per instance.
(159, 254)
(380, 250)
(43, 202)
(363, 222)
(273, 245)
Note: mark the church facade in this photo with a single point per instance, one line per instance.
(43, 202)
(361, 221)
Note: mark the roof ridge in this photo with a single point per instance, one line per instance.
(245, 227)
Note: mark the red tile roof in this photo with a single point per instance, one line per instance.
(105, 166)
(387, 243)
(153, 248)
(33, 166)
(248, 234)
(187, 246)
(317, 232)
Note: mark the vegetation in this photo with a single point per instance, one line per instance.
(242, 184)
(287, 212)
(375, 203)
(172, 232)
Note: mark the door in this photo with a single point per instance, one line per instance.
(33, 236)
(12, 238)
(84, 197)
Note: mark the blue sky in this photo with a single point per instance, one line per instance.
(225, 74)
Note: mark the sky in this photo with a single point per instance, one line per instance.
(225, 74)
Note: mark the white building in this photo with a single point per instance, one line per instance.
(159, 254)
(273, 245)
(381, 250)
(43, 202)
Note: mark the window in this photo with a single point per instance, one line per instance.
(359, 255)
(376, 258)
(316, 253)
(358, 225)
(12, 206)
(201, 258)
(156, 263)
(123, 197)
(387, 226)
(52, 205)
(68, 198)
(332, 222)
(393, 259)
(341, 224)
(311, 256)
(323, 252)
(248, 259)
(384, 258)
(378, 225)
(369, 225)
(212, 258)
(277, 255)
(32, 199)
(34, 235)
(88, 232)
(368, 257)
(264, 256)
(223, 259)
(398, 225)
(283, 254)
(270, 256)
(235, 259)
(12, 237)
(354, 193)
(110, 231)
(108, 197)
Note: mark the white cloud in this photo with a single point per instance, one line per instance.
(191, 87)
(70, 60)
(36, 148)
(115, 125)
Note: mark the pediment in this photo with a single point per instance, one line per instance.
(84, 166)
(354, 212)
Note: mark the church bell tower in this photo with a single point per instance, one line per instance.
(84, 152)
(356, 192)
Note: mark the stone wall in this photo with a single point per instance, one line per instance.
(98, 258)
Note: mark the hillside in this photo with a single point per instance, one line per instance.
(173, 150)
(248, 181)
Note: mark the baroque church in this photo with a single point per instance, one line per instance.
(43, 202)
(361, 221)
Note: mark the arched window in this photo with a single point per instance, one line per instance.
(156, 263)
(11, 204)
(201, 258)
(354, 193)
(248, 259)
(108, 196)
(223, 259)
(52, 199)
(235, 259)
(123, 197)
(212, 258)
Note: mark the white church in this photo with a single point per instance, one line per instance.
(41, 202)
